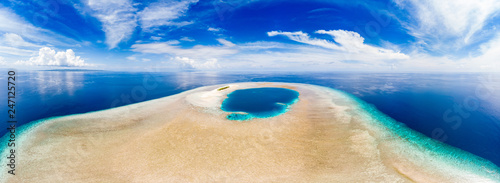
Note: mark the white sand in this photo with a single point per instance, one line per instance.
(210, 99)
(325, 137)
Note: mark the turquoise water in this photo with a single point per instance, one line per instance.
(258, 102)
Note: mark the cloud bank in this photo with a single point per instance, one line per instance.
(49, 57)
(348, 42)
(316, 53)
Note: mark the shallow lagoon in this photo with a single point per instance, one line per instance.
(258, 102)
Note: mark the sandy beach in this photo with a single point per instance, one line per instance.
(324, 137)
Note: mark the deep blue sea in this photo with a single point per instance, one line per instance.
(462, 110)
(258, 102)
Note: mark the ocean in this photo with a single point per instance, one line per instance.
(462, 110)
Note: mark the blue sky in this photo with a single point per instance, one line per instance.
(314, 35)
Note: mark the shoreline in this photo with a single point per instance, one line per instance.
(309, 122)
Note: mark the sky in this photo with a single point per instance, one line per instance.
(254, 35)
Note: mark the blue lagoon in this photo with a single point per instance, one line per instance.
(258, 102)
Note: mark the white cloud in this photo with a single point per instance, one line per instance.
(197, 57)
(14, 45)
(131, 58)
(214, 29)
(6, 50)
(188, 63)
(304, 38)
(171, 48)
(449, 24)
(13, 23)
(346, 42)
(346, 51)
(50, 57)
(172, 42)
(118, 19)
(134, 58)
(488, 59)
(188, 39)
(259, 55)
(15, 40)
(2, 61)
(448, 27)
(261, 45)
(225, 42)
(164, 14)
(156, 38)
(352, 42)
